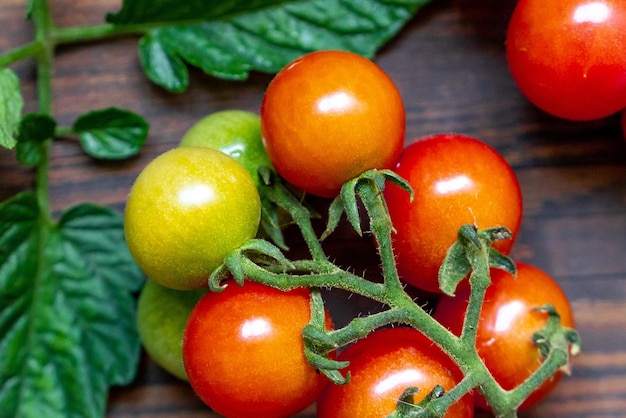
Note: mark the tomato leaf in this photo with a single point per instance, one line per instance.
(66, 310)
(33, 130)
(230, 40)
(11, 104)
(112, 133)
(146, 11)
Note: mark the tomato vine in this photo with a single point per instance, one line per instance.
(472, 254)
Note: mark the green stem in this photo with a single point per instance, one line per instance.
(441, 405)
(279, 194)
(395, 296)
(45, 62)
(381, 226)
(61, 131)
(77, 34)
(24, 51)
(321, 275)
(505, 403)
(362, 326)
(479, 275)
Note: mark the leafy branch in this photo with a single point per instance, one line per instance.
(472, 254)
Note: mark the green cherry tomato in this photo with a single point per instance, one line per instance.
(188, 208)
(161, 317)
(234, 132)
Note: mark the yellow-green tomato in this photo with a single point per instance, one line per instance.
(162, 314)
(187, 209)
(234, 132)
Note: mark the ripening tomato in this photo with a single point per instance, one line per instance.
(382, 366)
(328, 117)
(457, 180)
(187, 209)
(567, 56)
(507, 323)
(244, 355)
(161, 317)
(234, 132)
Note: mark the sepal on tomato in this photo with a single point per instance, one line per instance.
(462, 256)
(253, 252)
(318, 343)
(554, 336)
(346, 201)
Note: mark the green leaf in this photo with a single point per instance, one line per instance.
(67, 310)
(11, 104)
(112, 133)
(34, 129)
(145, 11)
(230, 39)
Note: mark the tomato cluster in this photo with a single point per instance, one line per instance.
(326, 118)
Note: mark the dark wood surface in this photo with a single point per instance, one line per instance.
(450, 66)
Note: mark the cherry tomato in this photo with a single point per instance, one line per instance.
(244, 355)
(186, 210)
(382, 366)
(234, 132)
(507, 323)
(329, 116)
(456, 180)
(161, 317)
(567, 56)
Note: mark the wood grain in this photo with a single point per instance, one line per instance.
(450, 66)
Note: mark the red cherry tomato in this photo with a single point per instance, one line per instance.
(382, 366)
(507, 323)
(567, 56)
(329, 116)
(456, 180)
(244, 355)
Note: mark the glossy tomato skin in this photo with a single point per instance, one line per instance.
(456, 180)
(244, 355)
(567, 56)
(329, 116)
(186, 210)
(234, 132)
(507, 323)
(382, 366)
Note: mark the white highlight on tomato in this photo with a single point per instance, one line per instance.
(593, 12)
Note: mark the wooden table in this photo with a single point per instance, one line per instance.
(450, 66)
